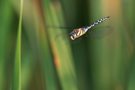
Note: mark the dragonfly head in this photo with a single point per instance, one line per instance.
(72, 35)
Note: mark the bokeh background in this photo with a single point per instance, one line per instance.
(37, 54)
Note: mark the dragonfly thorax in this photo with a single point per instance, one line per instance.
(76, 33)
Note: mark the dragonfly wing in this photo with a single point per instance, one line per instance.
(100, 32)
(59, 27)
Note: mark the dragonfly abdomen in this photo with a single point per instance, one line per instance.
(97, 22)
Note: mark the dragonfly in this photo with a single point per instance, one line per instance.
(77, 33)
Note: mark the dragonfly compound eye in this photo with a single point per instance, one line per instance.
(72, 37)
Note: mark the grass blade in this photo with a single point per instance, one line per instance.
(17, 63)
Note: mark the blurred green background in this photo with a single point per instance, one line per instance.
(37, 54)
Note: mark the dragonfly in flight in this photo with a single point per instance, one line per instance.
(76, 33)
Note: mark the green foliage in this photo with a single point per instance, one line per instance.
(39, 55)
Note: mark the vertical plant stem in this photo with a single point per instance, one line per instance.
(17, 65)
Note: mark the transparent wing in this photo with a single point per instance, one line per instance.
(99, 32)
(59, 27)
